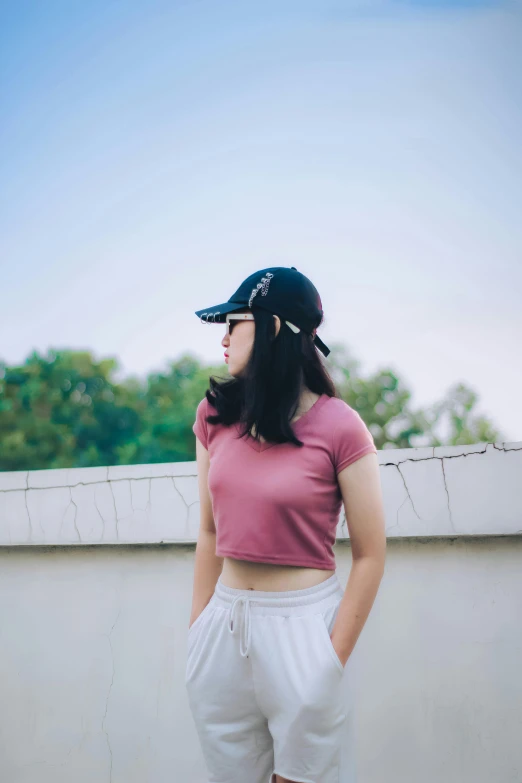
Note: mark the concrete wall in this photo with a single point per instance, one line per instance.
(94, 611)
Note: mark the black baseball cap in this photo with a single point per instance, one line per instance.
(283, 291)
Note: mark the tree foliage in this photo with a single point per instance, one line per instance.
(66, 409)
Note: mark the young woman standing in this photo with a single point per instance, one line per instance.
(268, 672)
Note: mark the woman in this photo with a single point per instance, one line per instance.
(271, 630)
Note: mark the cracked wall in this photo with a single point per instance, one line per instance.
(93, 654)
(443, 491)
(93, 639)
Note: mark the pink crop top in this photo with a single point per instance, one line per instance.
(277, 502)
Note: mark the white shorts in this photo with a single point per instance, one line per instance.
(266, 688)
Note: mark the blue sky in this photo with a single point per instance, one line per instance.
(155, 154)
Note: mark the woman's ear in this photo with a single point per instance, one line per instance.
(277, 324)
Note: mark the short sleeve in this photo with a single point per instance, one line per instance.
(200, 426)
(351, 439)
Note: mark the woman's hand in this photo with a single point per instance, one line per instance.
(342, 654)
(193, 618)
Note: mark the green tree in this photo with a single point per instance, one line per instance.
(65, 409)
(384, 403)
(168, 403)
(454, 422)
(381, 399)
(62, 410)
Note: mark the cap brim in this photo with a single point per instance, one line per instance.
(217, 313)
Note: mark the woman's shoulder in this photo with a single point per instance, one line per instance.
(350, 436)
(201, 427)
(342, 420)
(336, 408)
(204, 406)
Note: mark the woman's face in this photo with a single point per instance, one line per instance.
(238, 344)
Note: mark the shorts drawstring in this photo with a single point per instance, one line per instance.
(246, 622)
(268, 601)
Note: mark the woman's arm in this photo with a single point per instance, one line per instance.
(207, 566)
(362, 496)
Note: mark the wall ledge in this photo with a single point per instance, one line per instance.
(429, 492)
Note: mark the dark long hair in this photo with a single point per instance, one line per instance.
(267, 392)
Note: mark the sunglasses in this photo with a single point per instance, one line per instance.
(232, 318)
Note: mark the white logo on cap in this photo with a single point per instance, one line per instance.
(265, 282)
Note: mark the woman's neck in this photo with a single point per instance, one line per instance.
(306, 400)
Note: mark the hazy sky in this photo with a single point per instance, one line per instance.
(155, 154)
